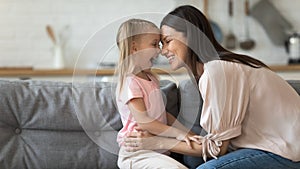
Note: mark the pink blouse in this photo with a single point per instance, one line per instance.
(254, 108)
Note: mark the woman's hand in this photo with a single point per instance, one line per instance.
(196, 138)
(142, 140)
(185, 137)
(188, 137)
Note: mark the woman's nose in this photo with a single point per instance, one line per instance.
(164, 51)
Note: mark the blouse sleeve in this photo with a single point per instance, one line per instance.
(225, 99)
(131, 90)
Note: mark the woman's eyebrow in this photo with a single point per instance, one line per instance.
(165, 37)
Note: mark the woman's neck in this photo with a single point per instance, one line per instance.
(200, 68)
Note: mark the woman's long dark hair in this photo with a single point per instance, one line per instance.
(192, 15)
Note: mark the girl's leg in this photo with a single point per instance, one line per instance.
(249, 159)
(146, 159)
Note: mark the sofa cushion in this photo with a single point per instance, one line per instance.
(190, 102)
(170, 93)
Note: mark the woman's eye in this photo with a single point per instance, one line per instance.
(155, 45)
(168, 40)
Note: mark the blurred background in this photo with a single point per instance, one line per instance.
(26, 27)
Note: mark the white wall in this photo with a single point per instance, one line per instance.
(24, 42)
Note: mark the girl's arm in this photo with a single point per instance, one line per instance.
(139, 112)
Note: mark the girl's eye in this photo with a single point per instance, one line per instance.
(155, 45)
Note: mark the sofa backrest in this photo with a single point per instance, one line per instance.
(61, 125)
(295, 84)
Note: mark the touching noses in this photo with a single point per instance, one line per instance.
(158, 50)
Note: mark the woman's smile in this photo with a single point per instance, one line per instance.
(174, 47)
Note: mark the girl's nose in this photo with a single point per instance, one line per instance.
(158, 50)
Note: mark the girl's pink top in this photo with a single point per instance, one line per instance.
(254, 108)
(149, 91)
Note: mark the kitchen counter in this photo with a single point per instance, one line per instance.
(5, 72)
(285, 68)
(285, 71)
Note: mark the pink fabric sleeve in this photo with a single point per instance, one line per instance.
(225, 99)
(131, 90)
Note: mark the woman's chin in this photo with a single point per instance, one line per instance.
(174, 66)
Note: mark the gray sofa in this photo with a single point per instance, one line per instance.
(58, 125)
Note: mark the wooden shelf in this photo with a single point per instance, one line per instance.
(29, 72)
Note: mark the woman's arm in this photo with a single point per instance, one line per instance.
(139, 141)
(180, 147)
(196, 150)
(139, 112)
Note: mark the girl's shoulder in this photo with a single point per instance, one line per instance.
(131, 78)
(142, 82)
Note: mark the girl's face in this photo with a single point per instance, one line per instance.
(174, 47)
(146, 49)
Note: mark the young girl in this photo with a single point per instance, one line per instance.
(139, 99)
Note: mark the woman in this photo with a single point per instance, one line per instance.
(250, 113)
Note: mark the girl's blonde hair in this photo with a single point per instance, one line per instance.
(127, 33)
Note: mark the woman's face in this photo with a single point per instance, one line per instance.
(174, 47)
